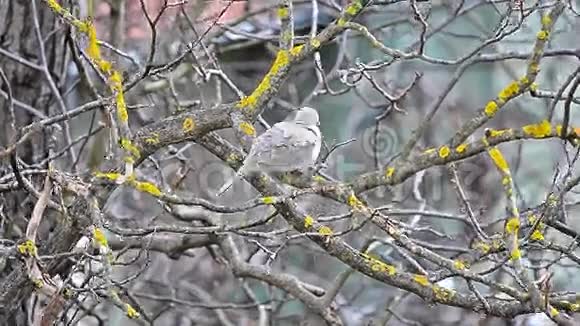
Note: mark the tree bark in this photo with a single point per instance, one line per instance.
(18, 39)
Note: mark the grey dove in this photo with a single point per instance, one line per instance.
(293, 144)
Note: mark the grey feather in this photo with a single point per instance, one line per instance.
(287, 146)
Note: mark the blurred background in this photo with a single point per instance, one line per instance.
(365, 98)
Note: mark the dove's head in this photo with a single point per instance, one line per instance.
(307, 116)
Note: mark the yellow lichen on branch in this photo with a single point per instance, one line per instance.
(251, 101)
(461, 148)
(444, 151)
(55, 6)
(296, 50)
(308, 222)
(483, 247)
(421, 279)
(498, 159)
(131, 312)
(315, 43)
(546, 22)
(389, 172)
(282, 59)
(513, 225)
(325, 231)
(460, 265)
(153, 139)
(122, 113)
(114, 78)
(516, 253)
(543, 35)
(247, 129)
(353, 8)
(491, 108)
(27, 248)
(554, 312)
(516, 87)
(354, 202)
(99, 237)
(269, 200)
(443, 294)
(147, 187)
(537, 236)
(539, 130)
(492, 133)
(188, 125)
(93, 47)
(111, 176)
(130, 148)
(143, 186)
(379, 266)
(510, 91)
(283, 12)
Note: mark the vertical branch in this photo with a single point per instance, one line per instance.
(117, 33)
(51, 83)
(512, 227)
(567, 104)
(286, 15)
(114, 82)
(516, 87)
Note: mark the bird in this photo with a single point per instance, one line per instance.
(290, 145)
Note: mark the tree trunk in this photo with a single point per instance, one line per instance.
(18, 39)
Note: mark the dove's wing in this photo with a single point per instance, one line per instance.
(285, 147)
